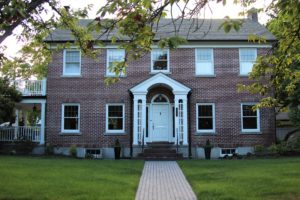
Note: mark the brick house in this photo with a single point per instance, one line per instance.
(183, 96)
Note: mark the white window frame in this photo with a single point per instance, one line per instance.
(257, 130)
(108, 73)
(64, 63)
(213, 117)
(212, 62)
(63, 117)
(241, 61)
(168, 61)
(231, 154)
(106, 118)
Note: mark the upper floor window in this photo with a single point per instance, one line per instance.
(160, 60)
(247, 60)
(70, 118)
(72, 62)
(115, 118)
(204, 62)
(250, 118)
(205, 117)
(113, 56)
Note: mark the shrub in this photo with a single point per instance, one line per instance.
(258, 149)
(49, 149)
(273, 149)
(73, 150)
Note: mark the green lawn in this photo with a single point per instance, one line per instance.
(62, 178)
(244, 179)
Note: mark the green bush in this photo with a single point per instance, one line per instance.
(73, 150)
(273, 149)
(258, 149)
(49, 149)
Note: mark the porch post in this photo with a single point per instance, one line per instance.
(135, 126)
(136, 98)
(43, 112)
(176, 103)
(143, 98)
(185, 124)
(17, 124)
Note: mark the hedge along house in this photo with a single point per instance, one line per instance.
(182, 97)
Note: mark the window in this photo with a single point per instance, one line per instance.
(72, 62)
(247, 59)
(204, 62)
(70, 118)
(205, 117)
(227, 152)
(115, 118)
(113, 56)
(250, 118)
(160, 60)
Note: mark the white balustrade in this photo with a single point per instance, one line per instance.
(31, 133)
(31, 87)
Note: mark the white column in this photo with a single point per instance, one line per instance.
(136, 98)
(185, 124)
(143, 98)
(44, 87)
(176, 102)
(135, 125)
(17, 124)
(43, 114)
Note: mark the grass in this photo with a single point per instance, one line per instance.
(263, 179)
(63, 178)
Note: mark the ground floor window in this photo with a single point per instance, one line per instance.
(70, 117)
(115, 118)
(227, 152)
(250, 118)
(205, 117)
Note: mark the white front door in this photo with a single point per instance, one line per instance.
(160, 122)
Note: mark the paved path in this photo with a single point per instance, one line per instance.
(163, 180)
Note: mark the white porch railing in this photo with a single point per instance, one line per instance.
(9, 134)
(31, 87)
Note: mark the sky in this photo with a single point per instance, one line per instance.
(217, 11)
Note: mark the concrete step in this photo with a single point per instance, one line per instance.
(160, 150)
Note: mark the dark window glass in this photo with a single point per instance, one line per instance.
(115, 117)
(160, 99)
(249, 117)
(205, 117)
(71, 117)
(160, 60)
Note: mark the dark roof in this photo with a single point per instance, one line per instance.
(194, 30)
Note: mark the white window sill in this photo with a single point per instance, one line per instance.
(164, 72)
(244, 75)
(70, 133)
(206, 76)
(114, 133)
(71, 76)
(251, 132)
(208, 132)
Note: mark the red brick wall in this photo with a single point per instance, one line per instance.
(90, 91)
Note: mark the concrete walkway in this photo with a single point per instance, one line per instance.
(163, 180)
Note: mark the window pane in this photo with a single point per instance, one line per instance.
(205, 123)
(71, 111)
(115, 111)
(115, 123)
(72, 68)
(72, 56)
(204, 68)
(160, 98)
(204, 55)
(246, 67)
(248, 54)
(204, 110)
(160, 59)
(249, 123)
(71, 124)
(247, 111)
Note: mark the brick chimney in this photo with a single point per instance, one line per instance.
(252, 14)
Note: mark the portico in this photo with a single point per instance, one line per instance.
(162, 118)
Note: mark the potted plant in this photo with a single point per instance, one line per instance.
(207, 149)
(117, 149)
